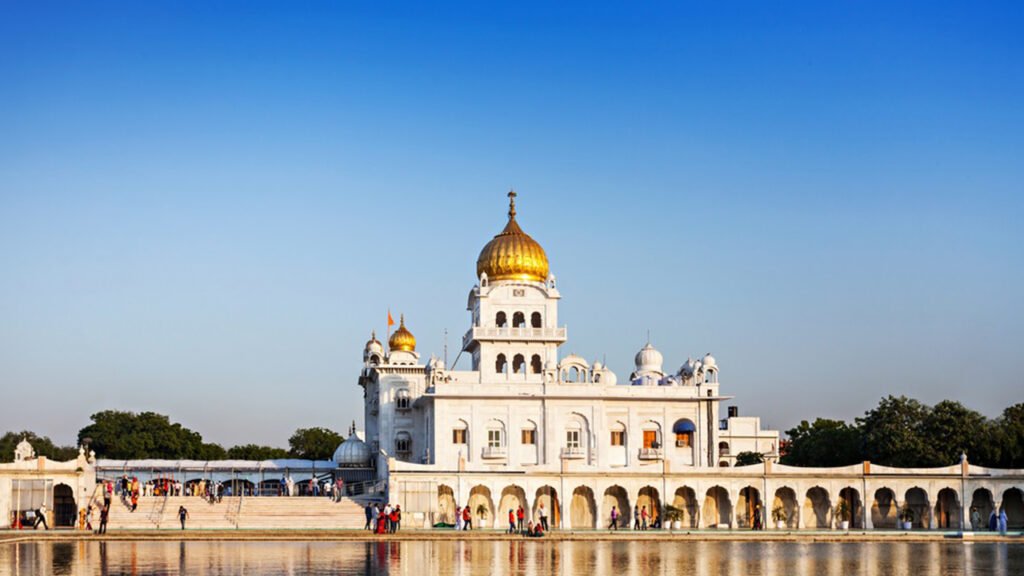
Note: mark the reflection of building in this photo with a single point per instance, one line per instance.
(524, 425)
(31, 482)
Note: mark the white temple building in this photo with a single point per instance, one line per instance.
(524, 411)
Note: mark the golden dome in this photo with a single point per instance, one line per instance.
(402, 339)
(512, 254)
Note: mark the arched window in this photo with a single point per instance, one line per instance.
(723, 448)
(402, 400)
(573, 375)
(535, 364)
(535, 320)
(518, 364)
(684, 429)
(501, 320)
(518, 320)
(460, 433)
(495, 434)
(500, 364)
(403, 443)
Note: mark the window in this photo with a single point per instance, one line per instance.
(518, 364)
(650, 438)
(402, 400)
(494, 438)
(518, 320)
(501, 320)
(572, 439)
(618, 438)
(535, 364)
(529, 436)
(459, 436)
(535, 320)
(403, 443)
(683, 439)
(499, 364)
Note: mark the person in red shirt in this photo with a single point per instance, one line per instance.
(520, 515)
(511, 521)
(467, 519)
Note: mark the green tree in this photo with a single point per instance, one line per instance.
(748, 458)
(256, 452)
(314, 443)
(1008, 433)
(893, 433)
(127, 436)
(950, 429)
(42, 445)
(823, 443)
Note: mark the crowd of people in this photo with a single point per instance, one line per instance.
(385, 519)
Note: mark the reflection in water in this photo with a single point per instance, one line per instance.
(515, 557)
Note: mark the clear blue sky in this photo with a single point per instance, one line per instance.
(205, 208)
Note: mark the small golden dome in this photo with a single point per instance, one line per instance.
(512, 254)
(402, 339)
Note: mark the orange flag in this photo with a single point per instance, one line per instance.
(391, 321)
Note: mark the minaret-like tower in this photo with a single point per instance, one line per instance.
(514, 335)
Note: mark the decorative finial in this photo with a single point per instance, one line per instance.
(373, 334)
(511, 204)
(401, 320)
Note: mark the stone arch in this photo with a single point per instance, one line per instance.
(481, 506)
(747, 503)
(982, 503)
(854, 507)
(1013, 505)
(917, 500)
(947, 509)
(501, 364)
(536, 366)
(649, 497)
(518, 320)
(785, 508)
(65, 512)
(548, 497)
(618, 497)
(501, 319)
(717, 508)
(519, 364)
(536, 321)
(685, 502)
(723, 448)
(445, 504)
(583, 508)
(817, 509)
(884, 510)
(512, 497)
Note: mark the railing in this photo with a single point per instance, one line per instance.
(495, 452)
(682, 444)
(367, 488)
(507, 333)
(651, 454)
(573, 453)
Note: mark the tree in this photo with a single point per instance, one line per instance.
(748, 458)
(1008, 432)
(256, 452)
(823, 443)
(42, 445)
(893, 433)
(314, 443)
(950, 429)
(129, 436)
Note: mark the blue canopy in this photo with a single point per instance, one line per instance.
(683, 426)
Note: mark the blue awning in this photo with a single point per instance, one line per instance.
(683, 426)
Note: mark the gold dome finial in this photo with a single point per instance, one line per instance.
(513, 254)
(402, 339)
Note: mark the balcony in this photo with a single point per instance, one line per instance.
(573, 453)
(651, 454)
(494, 452)
(403, 405)
(683, 444)
(522, 334)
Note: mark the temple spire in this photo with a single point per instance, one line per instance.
(511, 204)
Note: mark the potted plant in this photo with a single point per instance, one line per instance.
(674, 517)
(906, 517)
(842, 512)
(779, 516)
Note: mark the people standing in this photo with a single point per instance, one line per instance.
(104, 516)
(975, 518)
(543, 515)
(458, 517)
(41, 518)
(182, 516)
(636, 517)
(1002, 521)
(398, 518)
(511, 521)
(88, 518)
(614, 524)
(993, 521)
(387, 518)
(467, 519)
(757, 518)
(369, 517)
(520, 516)
(643, 518)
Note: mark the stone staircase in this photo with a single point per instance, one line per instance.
(158, 512)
